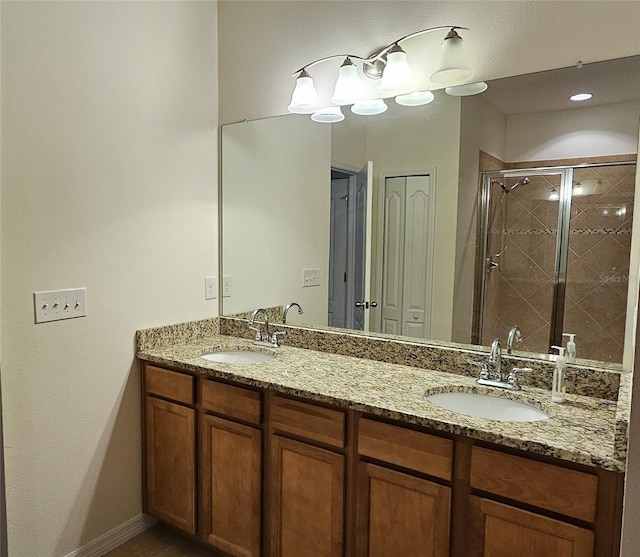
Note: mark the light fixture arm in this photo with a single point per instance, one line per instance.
(325, 59)
(379, 55)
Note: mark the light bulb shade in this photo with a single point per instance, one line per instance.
(452, 66)
(329, 115)
(467, 89)
(418, 98)
(349, 88)
(304, 99)
(397, 76)
(369, 108)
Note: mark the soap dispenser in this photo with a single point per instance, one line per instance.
(571, 348)
(557, 389)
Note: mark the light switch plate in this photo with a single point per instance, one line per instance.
(310, 277)
(53, 305)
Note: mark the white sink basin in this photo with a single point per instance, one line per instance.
(238, 357)
(489, 407)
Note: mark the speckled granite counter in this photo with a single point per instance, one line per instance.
(585, 430)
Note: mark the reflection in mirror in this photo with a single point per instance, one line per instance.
(384, 209)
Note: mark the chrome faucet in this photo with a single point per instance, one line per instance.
(495, 359)
(514, 335)
(286, 310)
(491, 373)
(264, 336)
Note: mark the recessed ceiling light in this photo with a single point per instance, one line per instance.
(581, 97)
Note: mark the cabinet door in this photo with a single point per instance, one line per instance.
(231, 483)
(399, 514)
(171, 463)
(306, 500)
(499, 530)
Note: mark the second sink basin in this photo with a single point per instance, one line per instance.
(489, 407)
(238, 357)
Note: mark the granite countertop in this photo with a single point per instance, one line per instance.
(584, 430)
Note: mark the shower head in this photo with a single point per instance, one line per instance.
(522, 182)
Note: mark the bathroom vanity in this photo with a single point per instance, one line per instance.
(316, 453)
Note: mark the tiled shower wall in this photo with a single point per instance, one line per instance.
(599, 251)
(522, 241)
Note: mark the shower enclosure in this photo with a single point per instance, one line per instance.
(554, 257)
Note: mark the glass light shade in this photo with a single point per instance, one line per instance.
(581, 97)
(467, 89)
(418, 98)
(349, 88)
(452, 66)
(369, 108)
(304, 99)
(329, 115)
(397, 76)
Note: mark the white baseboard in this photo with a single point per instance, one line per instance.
(115, 537)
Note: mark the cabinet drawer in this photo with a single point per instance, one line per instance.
(308, 420)
(235, 402)
(418, 451)
(169, 384)
(568, 492)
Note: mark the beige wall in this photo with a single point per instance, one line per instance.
(562, 134)
(109, 170)
(276, 220)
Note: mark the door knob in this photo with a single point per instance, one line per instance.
(366, 305)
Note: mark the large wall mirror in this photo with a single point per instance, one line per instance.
(448, 222)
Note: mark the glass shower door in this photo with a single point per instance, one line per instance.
(521, 256)
(598, 259)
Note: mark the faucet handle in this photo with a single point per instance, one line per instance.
(484, 370)
(258, 332)
(274, 337)
(513, 376)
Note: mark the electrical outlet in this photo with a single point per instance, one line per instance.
(210, 288)
(53, 305)
(226, 286)
(310, 277)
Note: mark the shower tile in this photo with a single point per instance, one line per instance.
(526, 316)
(620, 283)
(581, 280)
(601, 347)
(580, 242)
(541, 298)
(627, 185)
(607, 258)
(535, 341)
(615, 173)
(547, 213)
(603, 304)
(577, 321)
(583, 222)
(611, 210)
(617, 328)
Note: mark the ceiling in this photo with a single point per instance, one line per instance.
(612, 81)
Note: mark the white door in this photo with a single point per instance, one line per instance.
(407, 261)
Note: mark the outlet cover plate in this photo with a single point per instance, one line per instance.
(210, 288)
(54, 305)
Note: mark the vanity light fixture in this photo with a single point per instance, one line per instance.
(391, 67)
(467, 89)
(369, 108)
(329, 115)
(418, 98)
(553, 194)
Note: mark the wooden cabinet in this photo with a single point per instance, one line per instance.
(230, 468)
(307, 480)
(307, 500)
(499, 530)
(253, 473)
(170, 463)
(231, 487)
(399, 513)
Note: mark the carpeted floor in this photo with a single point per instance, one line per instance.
(160, 541)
